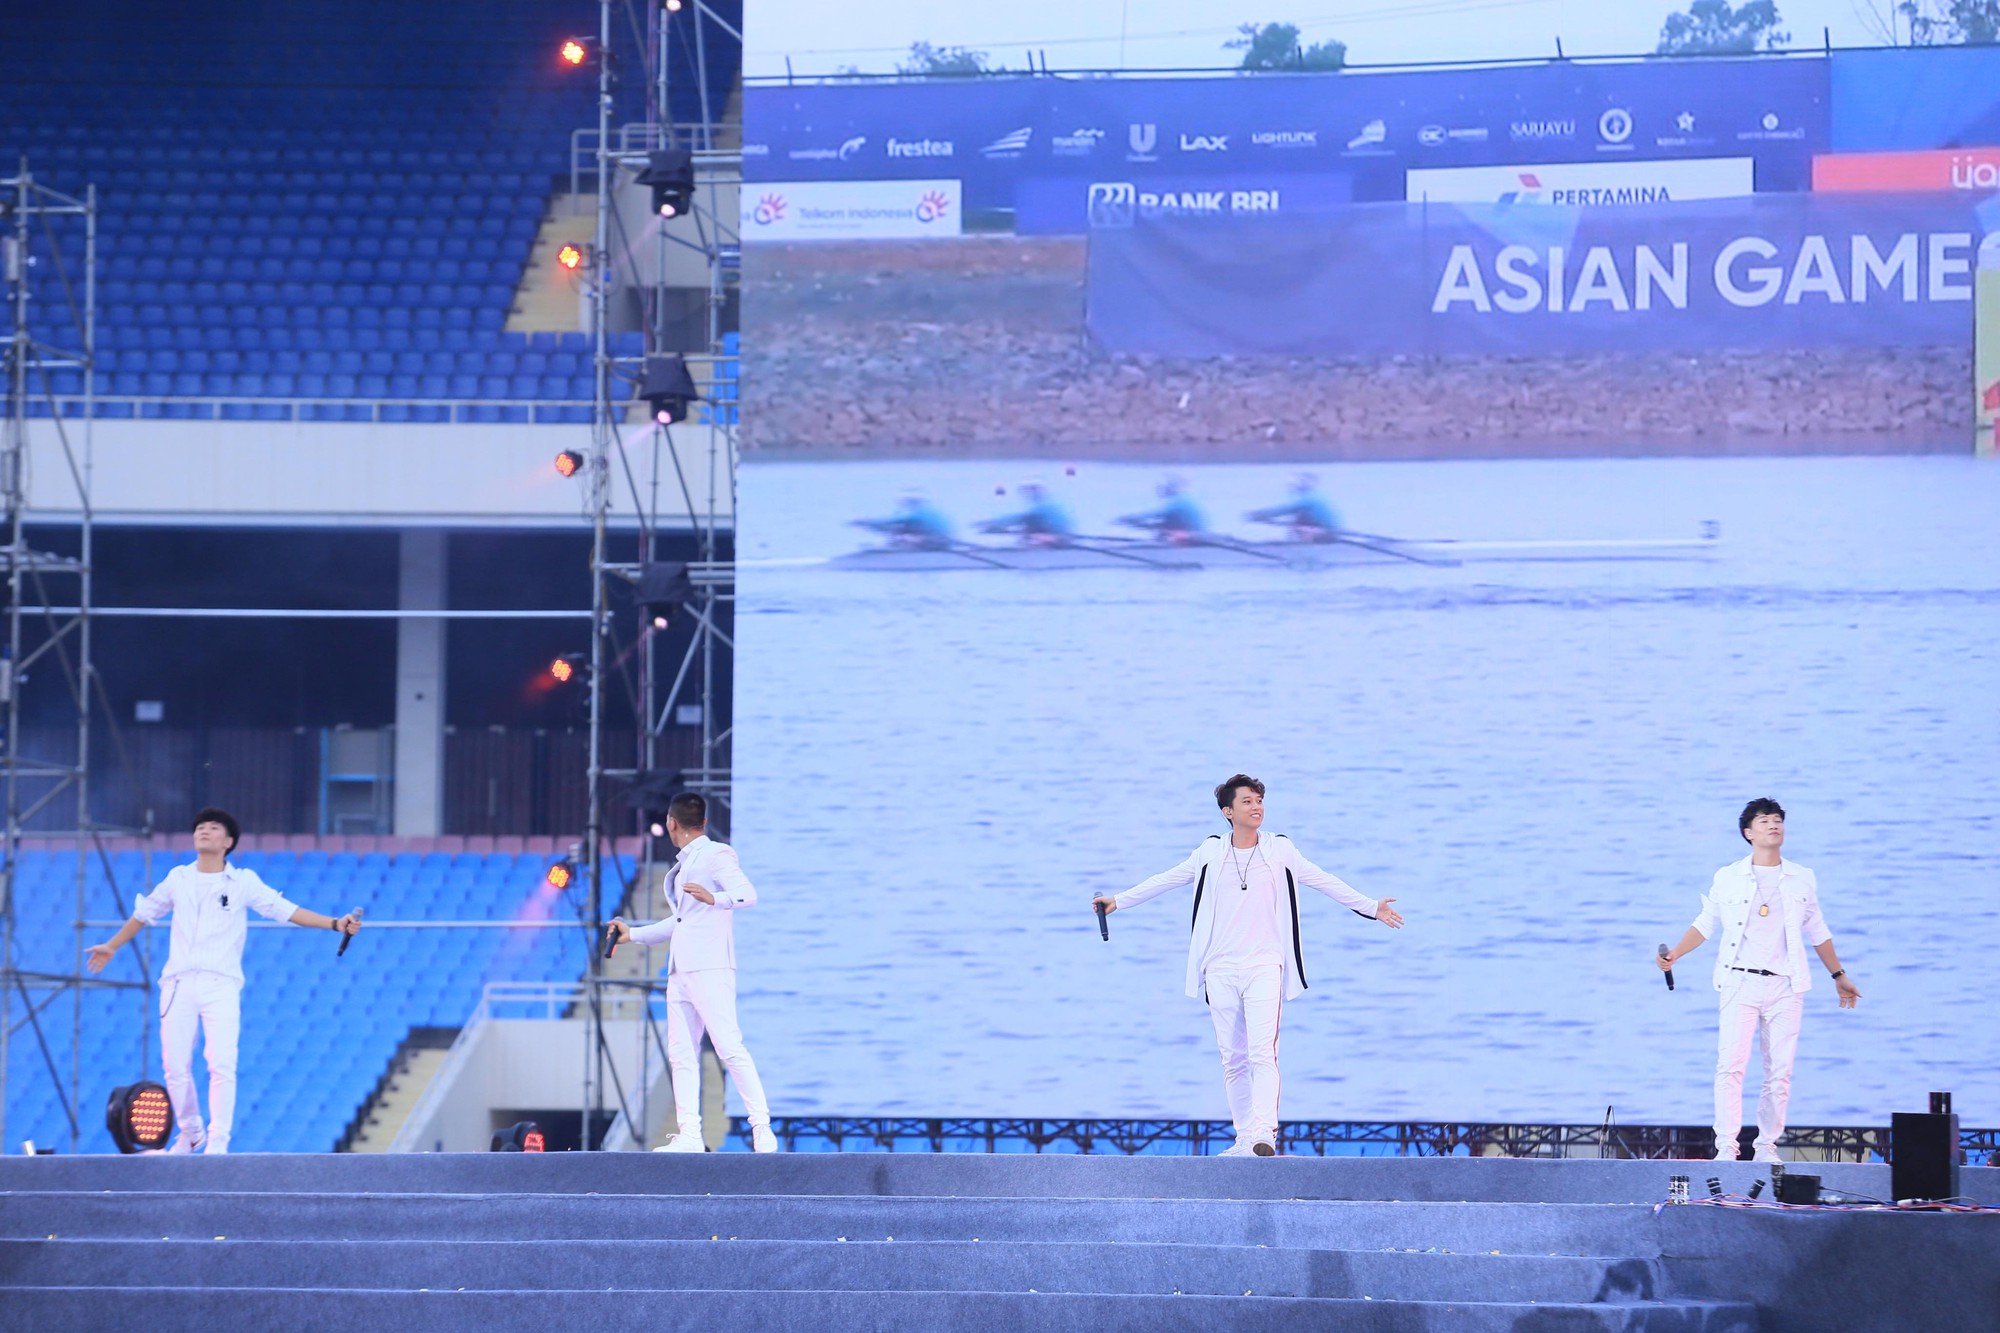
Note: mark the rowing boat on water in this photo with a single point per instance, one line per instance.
(1228, 553)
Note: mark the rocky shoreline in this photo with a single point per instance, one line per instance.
(979, 345)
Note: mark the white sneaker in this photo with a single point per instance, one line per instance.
(762, 1139)
(1264, 1148)
(683, 1143)
(1240, 1149)
(188, 1144)
(216, 1148)
(1771, 1156)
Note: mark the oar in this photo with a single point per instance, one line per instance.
(971, 552)
(1242, 548)
(1381, 545)
(1085, 544)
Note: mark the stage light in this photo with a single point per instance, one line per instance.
(669, 174)
(561, 670)
(570, 256)
(523, 1136)
(659, 622)
(560, 875)
(574, 51)
(569, 462)
(667, 388)
(673, 6)
(657, 828)
(140, 1117)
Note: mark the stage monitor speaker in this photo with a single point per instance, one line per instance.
(1795, 1188)
(1923, 1156)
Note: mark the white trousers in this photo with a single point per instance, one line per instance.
(705, 1001)
(1246, 1004)
(213, 1003)
(1752, 1007)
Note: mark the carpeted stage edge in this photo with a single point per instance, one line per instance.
(895, 1241)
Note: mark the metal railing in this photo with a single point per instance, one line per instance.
(434, 411)
(1324, 1138)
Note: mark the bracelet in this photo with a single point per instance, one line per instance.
(1838, 975)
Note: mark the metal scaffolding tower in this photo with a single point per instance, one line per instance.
(702, 589)
(45, 753)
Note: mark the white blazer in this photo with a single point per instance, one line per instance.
(1203, 864)
(1725, 909)
(701, 937)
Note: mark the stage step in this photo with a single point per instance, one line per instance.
(1600, 1230)
(874, 1264)
(190, 1311)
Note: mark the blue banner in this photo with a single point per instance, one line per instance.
(1365, 129)
(1932, 97)
(1375, 281)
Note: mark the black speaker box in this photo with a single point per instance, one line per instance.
(1923, 1156)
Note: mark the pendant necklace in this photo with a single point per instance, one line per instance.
(1243, 871)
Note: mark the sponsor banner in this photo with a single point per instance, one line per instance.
(1908, 173)
(992, 134)
(1070, 205)
(1924, 97)
(1586, 184)
(1377, 280)
(850, 210)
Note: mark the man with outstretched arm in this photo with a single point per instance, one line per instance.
(202, 983)
(1245, 956)
(1767, 911)
(705, 889)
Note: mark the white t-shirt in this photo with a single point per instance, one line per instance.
(1764, 931)
(1246, 920)
(210, 917)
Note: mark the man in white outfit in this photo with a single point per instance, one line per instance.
(1767, 910)
(202, 983)
(705, 889)
(1245, 957)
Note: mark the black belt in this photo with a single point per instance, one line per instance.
(1756, 971)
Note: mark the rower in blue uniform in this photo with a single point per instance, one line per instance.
(1179, 519)
(1043, 523)
(917, 525)
(1308, 517)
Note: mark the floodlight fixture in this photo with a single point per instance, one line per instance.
(561, 875)
(522, 1136)
(574, 51)
(669, 174)
(570, 256)
(668, 388)
(672, 6)
(140, 1117)
(569, 462)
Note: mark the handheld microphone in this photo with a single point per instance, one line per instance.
(610, 941)
(1670, 971)
(345, 938)
(1103, 924)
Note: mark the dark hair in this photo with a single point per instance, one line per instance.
(1763, 805)
(212, 815)
(1225, 795)
(689, 810)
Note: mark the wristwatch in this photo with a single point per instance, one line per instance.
(1838, 975)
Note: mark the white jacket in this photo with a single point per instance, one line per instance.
(701, 937)
(1201, 868)
(1725, 910)
(211, 917)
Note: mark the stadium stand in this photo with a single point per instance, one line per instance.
(318, 1030)
(322, 215)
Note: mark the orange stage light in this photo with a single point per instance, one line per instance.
(573, 52)
(569, 462)
(560, 875)
(570, 257)
(561, 670)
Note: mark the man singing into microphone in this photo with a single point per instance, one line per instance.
(202, 983)
(705, 889)
(1767, 909)
(1245, 956)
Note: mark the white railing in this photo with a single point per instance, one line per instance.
(498, 999)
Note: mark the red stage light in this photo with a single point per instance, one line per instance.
(560, 875)
(573, 52)
(562, 671)
(570, 257)
(569, 462)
